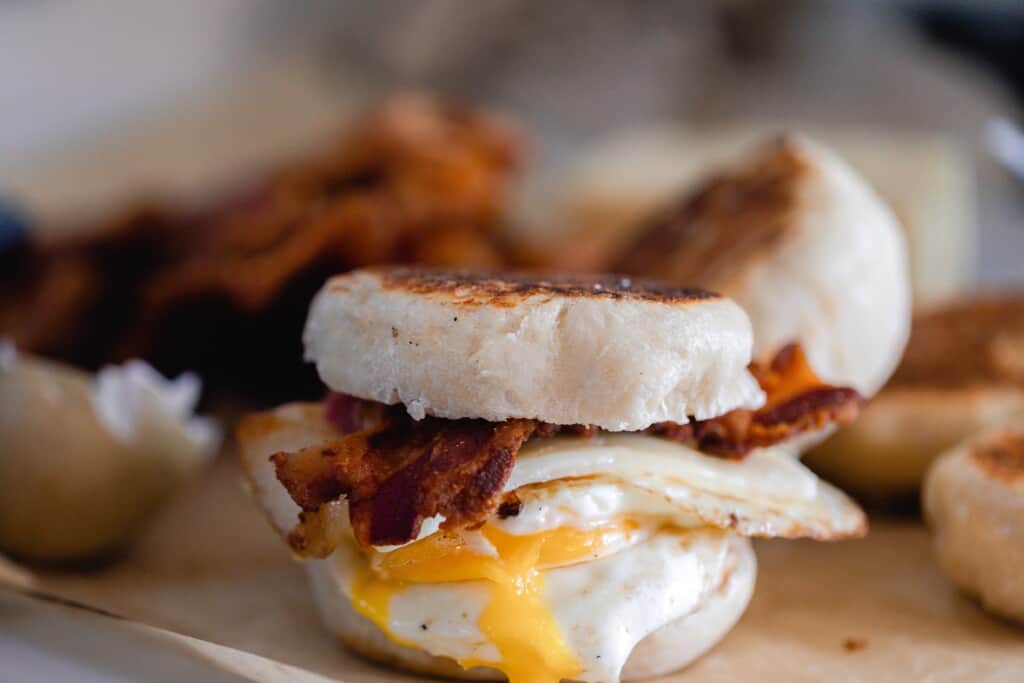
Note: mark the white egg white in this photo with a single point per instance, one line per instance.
(604, 607)
(583, 481)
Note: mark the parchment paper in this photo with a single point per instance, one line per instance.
(872, 610)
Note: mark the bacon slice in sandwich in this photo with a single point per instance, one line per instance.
(796, 402)
(396, 472)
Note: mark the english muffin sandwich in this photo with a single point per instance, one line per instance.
(541, 478)
(963, 373)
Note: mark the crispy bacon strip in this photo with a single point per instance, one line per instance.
(396, 472)
(796, 402)
(400, 472)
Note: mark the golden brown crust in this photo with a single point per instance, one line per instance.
(482, 288)
(1001, 456)
(732, 221)
(969, 343)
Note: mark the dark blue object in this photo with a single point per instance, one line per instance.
(14, 226)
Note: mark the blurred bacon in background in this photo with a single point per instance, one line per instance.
(224, 289)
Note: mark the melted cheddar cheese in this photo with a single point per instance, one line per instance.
(516, 619)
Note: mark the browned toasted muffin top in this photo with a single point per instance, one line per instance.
(730, 222)
(1001, 456)
(483, 288)
(973, 342)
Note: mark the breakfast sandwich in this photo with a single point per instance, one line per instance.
(962, 373)
(544, 478)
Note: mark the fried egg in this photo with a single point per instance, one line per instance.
(582, 623)
(583, 481)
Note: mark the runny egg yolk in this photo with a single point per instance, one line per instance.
(516, 619)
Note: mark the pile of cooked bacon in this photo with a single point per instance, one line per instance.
(395, 472)
(416, 181)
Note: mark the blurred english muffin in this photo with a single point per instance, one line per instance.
(974, 501)
(804, 246)
(963, 372)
